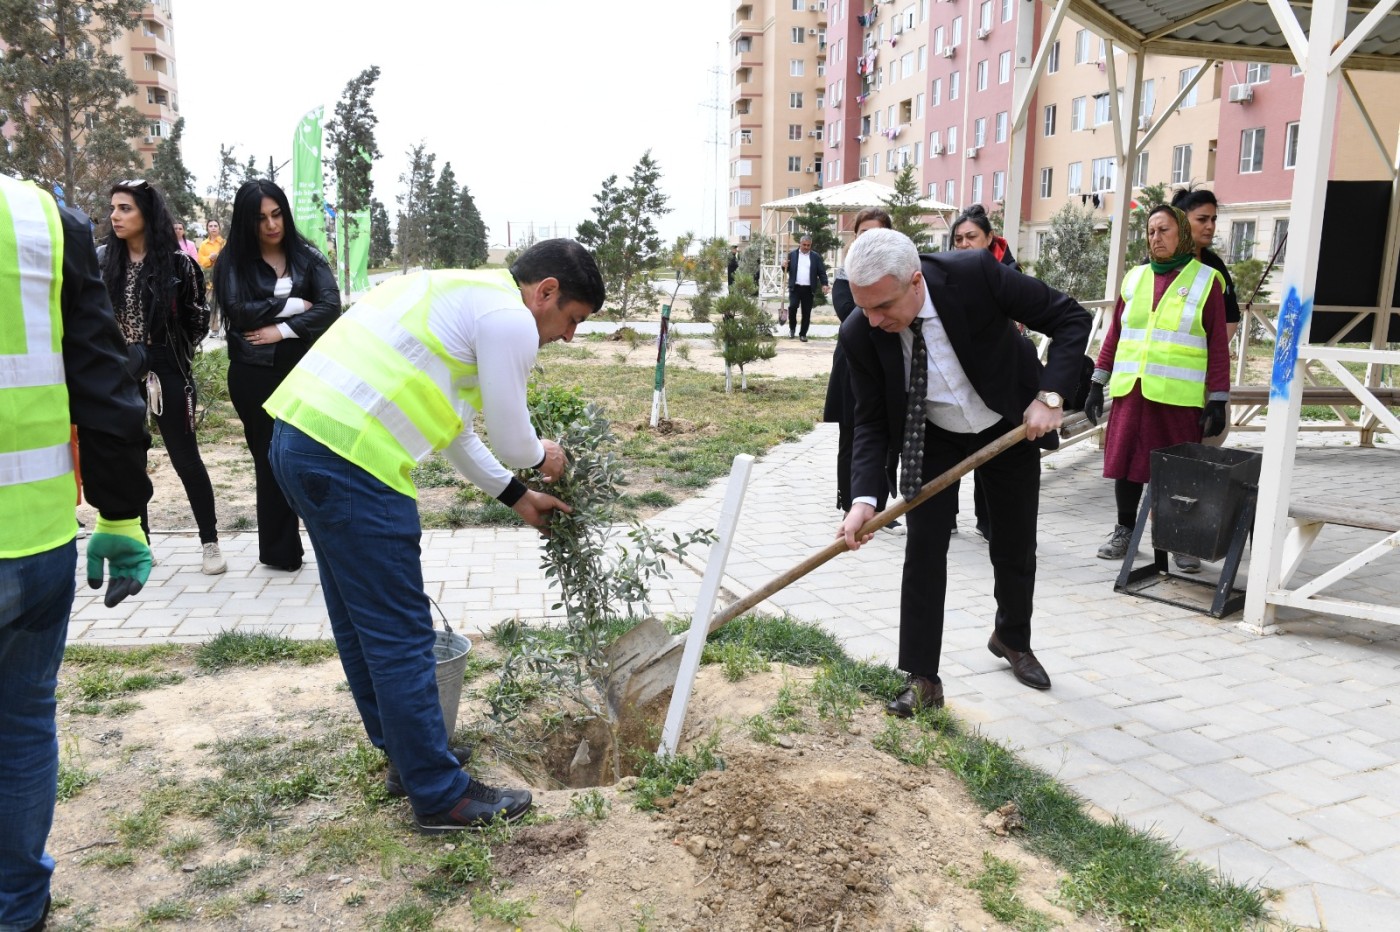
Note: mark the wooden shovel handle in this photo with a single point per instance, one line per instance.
(930, 489)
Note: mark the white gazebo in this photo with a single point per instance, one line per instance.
(842, 199)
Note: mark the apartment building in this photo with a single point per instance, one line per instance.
(149, 53)
(777, 105)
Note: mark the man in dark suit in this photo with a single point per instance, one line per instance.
(805, 270)
(733, 264)
(957, 313)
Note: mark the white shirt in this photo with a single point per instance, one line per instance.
(804, 268)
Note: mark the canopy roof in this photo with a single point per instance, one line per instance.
(854, 196)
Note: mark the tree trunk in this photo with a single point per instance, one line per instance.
(743, 380)
(728, 380)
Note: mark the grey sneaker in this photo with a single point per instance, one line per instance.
(214, 563)
(1116, 547)
(480, 807)
(1187, 563)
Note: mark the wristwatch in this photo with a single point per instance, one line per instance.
(1050, 399)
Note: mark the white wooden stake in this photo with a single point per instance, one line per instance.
(705, 603)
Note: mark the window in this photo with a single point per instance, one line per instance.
(794, 163)
(1076, 114)
(984, 16)
(1280, 246)
(1183, 79)
(794, 131)
(799, 35)
(1053, 65)
(1076, 178)
(1241, 240)
(1001, 126)
(935, 96)
(933, 189)
(1252, 151)
(1047, 182)
(796, 67)
(743, 44)
(979, 132)
(982, 75)
(935, 143)
(918, 151)
(1149, 98)
(1006, 8)
(954, 82)
(976, 189)
(1004, 68)
(998, 186)
(938, 44)
(740, 168)
(795, 100)
(1104, 175)
(797, 5)
(919, 106)
(793, 192)
(1101, 110)
(950, 192)
(923, 58)
(740, 229)
(952, 140)
(957, 30)
(1290, 146)
(864, 166)
(1140, 172)
(1050, 120)
(1181, 164)
(1081, 46)
(906, 65)
(1256, 73)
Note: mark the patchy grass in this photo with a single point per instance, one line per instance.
(997, 884)
(239, 649)
(659, 775)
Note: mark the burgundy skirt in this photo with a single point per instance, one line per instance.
(1137, 426)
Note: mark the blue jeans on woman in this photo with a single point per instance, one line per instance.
(36, 599)
(366, 539)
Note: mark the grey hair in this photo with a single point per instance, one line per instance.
(806, 238)
(878, 253)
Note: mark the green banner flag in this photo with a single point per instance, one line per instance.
(357, 242)
(308, 200)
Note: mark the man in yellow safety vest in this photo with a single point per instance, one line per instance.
(402, 374)
(62, 363)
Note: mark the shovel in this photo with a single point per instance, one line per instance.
(645, 661)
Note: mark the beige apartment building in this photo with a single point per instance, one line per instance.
(149, 53)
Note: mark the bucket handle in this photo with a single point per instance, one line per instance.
(441, 615)
(1184, 502)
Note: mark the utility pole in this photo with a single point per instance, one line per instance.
(717, 142)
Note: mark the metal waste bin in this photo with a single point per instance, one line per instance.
(1197, 494)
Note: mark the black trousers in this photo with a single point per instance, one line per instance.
(181, 443)
(279, 535)
(800, 295)
(1012, 483)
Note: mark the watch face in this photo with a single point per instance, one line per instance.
(1052, 399)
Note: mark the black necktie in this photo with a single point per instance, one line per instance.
(911, 460)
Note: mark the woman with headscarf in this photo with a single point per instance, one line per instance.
(1166, 363)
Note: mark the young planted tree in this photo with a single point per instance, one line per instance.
(225, 183)
(170, 176)
(1075, 257)
(905, 212)
(62, 92)
(350, 138)
(710, 274)
(250, 170)
(381, 243)
(476, 250)
(622, 234)
(756, 251)
(744, 333)
(447, 241)
(415, 206)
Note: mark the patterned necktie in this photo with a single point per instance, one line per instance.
(911, 460)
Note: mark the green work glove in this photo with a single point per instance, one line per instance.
(123, 544)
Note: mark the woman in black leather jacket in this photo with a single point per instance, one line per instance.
(157, 293)
(278, 295)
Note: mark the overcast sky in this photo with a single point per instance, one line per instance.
(534, 102)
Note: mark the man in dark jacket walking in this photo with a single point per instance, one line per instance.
(805, 270)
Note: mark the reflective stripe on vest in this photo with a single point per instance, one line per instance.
(1164, 347)
(36, 461)
(379, 387)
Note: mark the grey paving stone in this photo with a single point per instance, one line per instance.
(1190, 747)
(1263, 825)
(1339, 908)
(1226, 782)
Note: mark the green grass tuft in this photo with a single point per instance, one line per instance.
(223, 874)
(997, 884)
(660, 775)
(72, 778)
(239, 649)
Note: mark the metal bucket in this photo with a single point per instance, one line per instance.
(450, 651)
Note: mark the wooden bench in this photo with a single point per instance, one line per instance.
(1307, 519)
(1313, 395)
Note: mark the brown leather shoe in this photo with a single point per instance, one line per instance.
(1023, 664)
(920, 693)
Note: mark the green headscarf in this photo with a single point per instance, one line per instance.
(1185, 245)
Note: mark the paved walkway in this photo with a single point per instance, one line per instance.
(1275, 760)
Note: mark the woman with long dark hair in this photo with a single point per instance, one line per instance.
(278, 296)
(157, 292)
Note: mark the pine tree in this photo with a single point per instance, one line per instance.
(170, 176)
(226, 181)
(905, 212)
(415, 205)
(62, 91)
(446, 236)
(709, 271)
(744, 333)
(381, 243)
(475, 246)
(350, 138)
(622, 234)
(1074, 258)
(759, 247)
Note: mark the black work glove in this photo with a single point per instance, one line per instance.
(1093, 405)
(1213, 419)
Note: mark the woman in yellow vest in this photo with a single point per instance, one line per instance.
(1166, 362)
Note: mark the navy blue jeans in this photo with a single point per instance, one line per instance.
(36, 599)
(366, 539)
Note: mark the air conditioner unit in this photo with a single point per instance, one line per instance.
(815, 134)
(150, 140)
(948, 51)
(898, 27)
(812, 31)
(1144, 122)
(811, 8)
(1240, 93)
(983, 33)
(972, 151)
(811, 169)
(936, 149)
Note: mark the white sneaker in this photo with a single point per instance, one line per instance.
(214, 562)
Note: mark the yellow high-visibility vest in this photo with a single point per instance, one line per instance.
(379, 388)
(36, 460)
(1164, 348)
